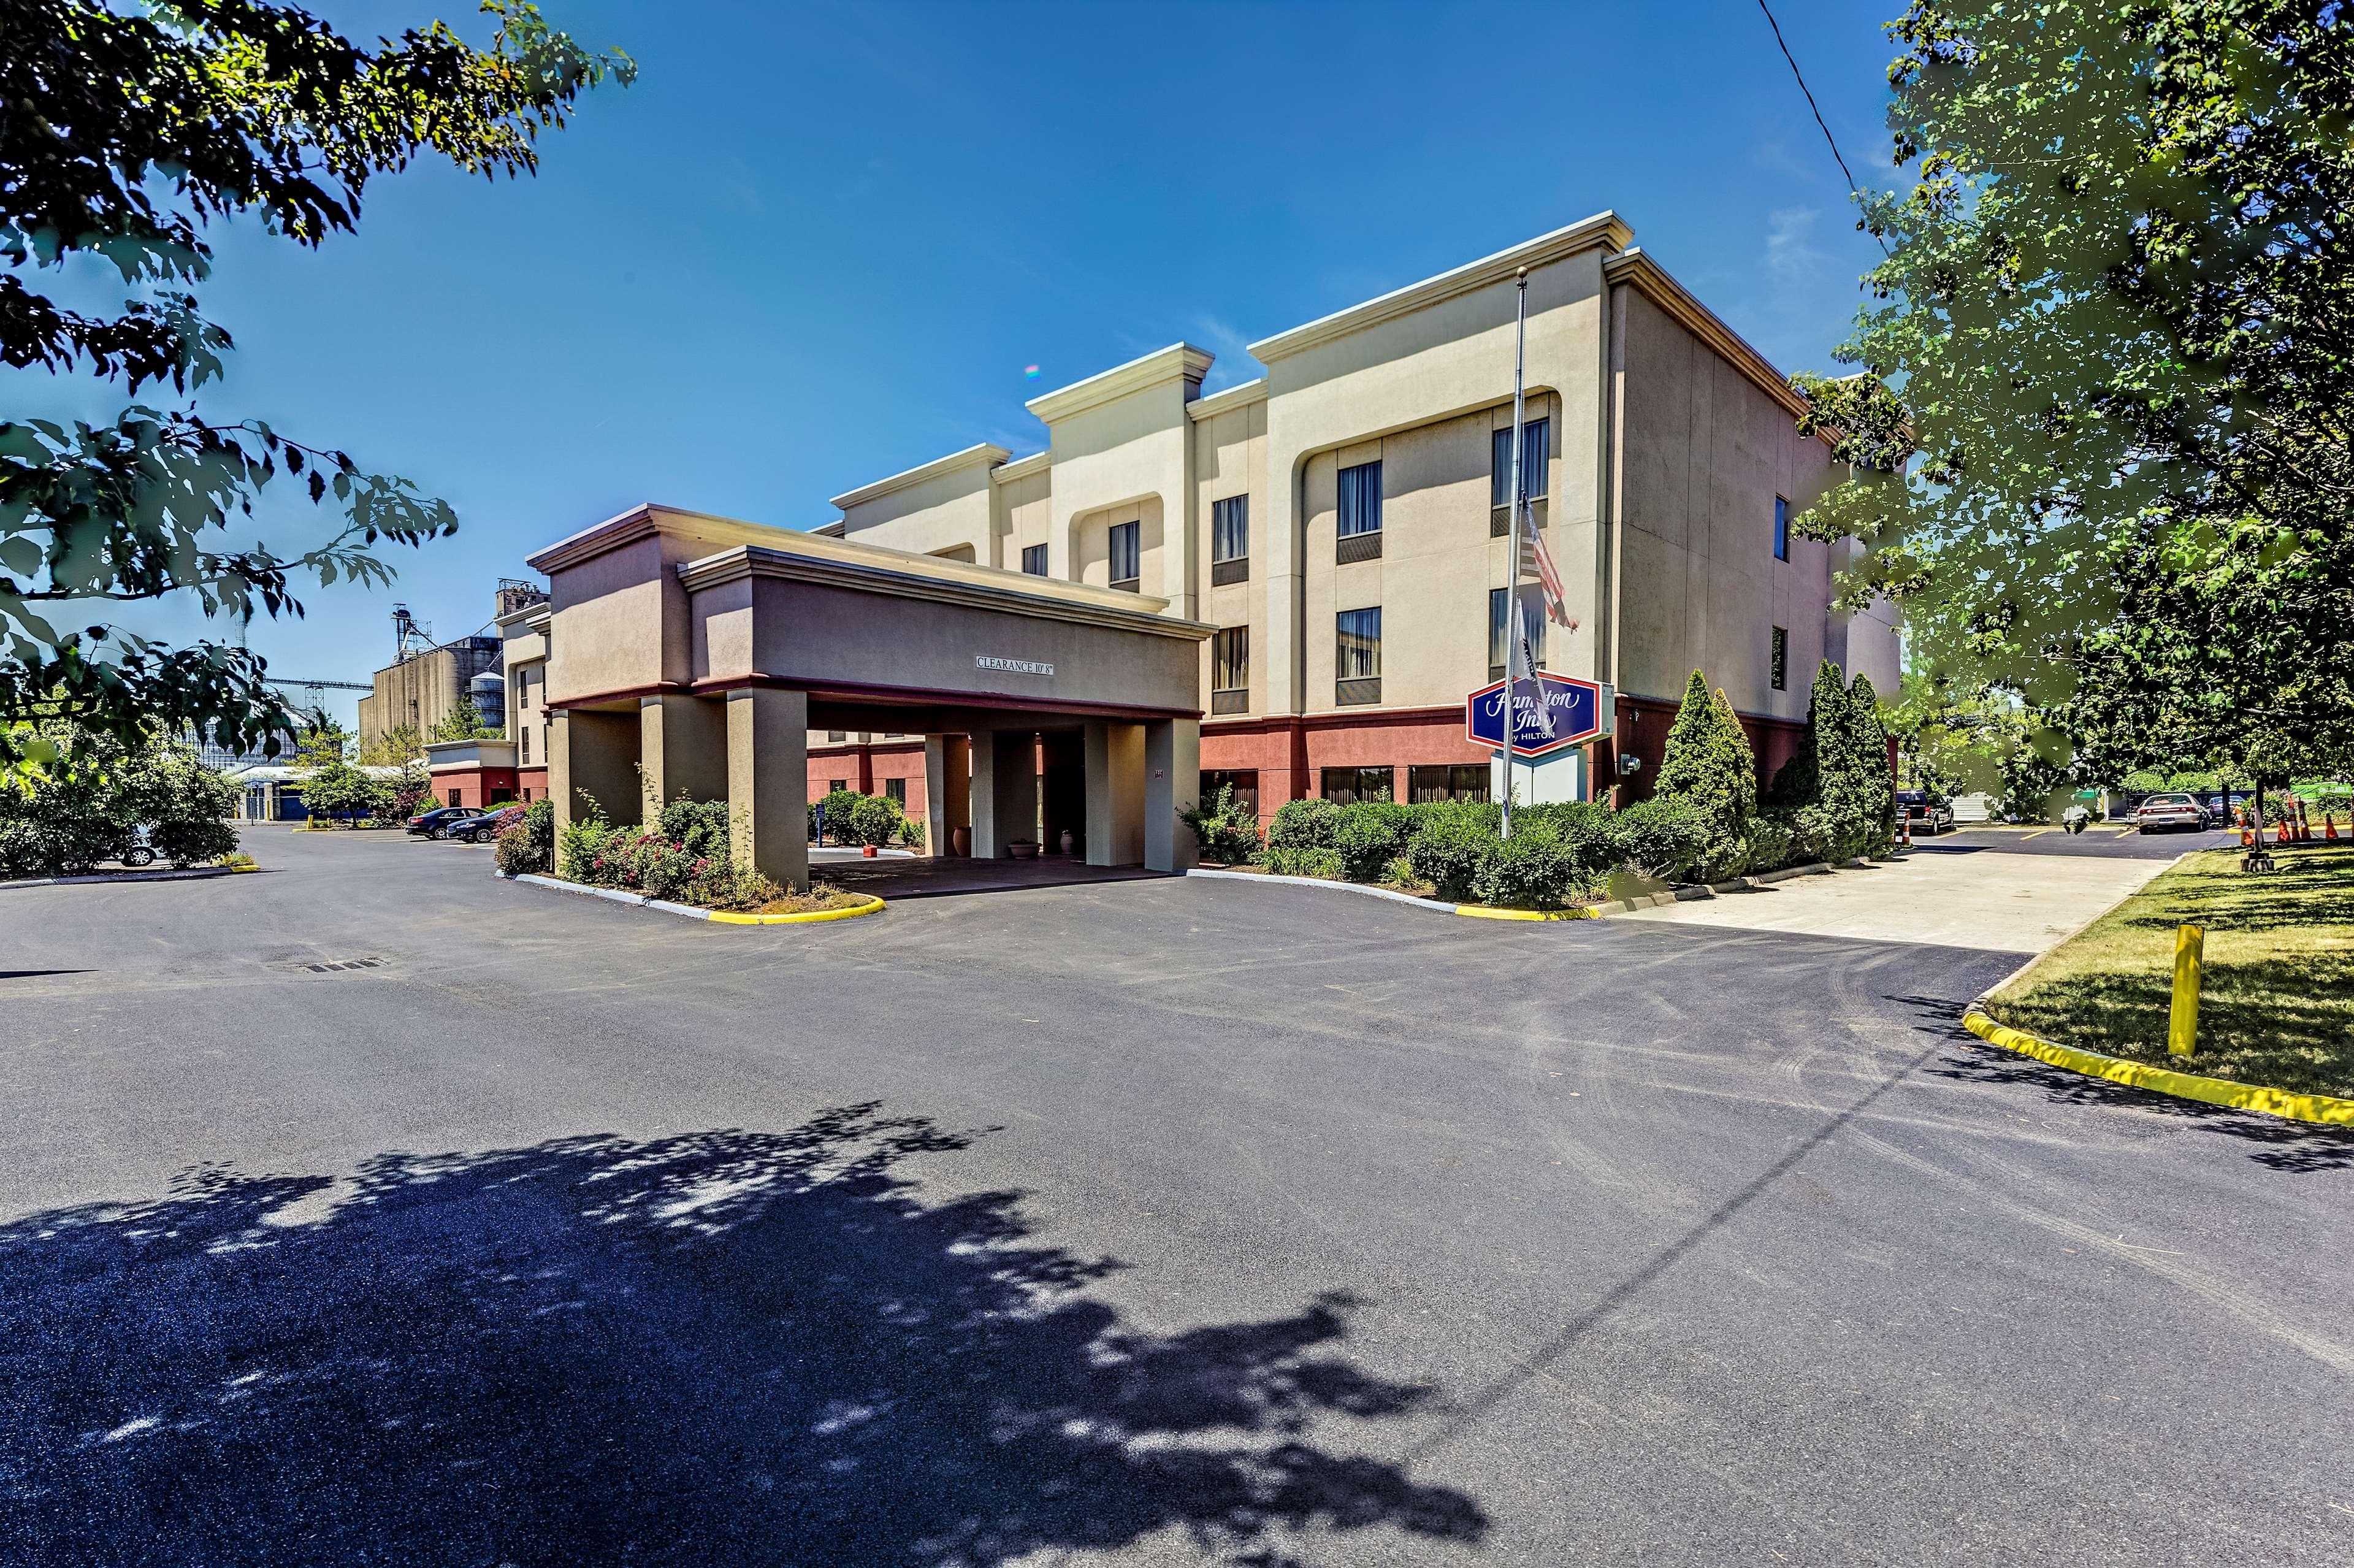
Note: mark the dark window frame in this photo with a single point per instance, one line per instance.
(1356, 790)
(1229, 514)
(1781, 528)
(1244, 779)
(1367, 494)
(1230, 648)
(1429, 782)
(1033, 560)
(1777, 659)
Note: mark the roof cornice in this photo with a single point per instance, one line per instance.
(1605, 230)
(938, 581)
(645, 521)
(1227, 399)
(530, 618)
(980, 455)
(1179, 359)
(1022, 468)
(1651, 281)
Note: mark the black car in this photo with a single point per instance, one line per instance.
(1925, 814)
(439, 823)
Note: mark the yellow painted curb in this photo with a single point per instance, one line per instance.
(1481, 912)
(872, 906)
(2328, 1110)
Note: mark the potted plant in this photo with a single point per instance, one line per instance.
(1022, 849)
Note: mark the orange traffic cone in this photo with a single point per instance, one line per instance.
(2282, 838)
(2247, 834)
(2329, 826)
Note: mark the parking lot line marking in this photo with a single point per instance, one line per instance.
(2036, 834)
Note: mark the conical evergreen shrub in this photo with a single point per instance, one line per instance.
(1710, 767)
(1875, 788)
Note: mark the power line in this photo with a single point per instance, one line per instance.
(1831, 140)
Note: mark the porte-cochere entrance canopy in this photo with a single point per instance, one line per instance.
(694, 653)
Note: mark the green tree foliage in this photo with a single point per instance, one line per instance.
(321, 742)
(1835, 794)
(342, 792)
(133, 127)
(464, 722)
(395, 747)
(1708, 762)
(91, 805)
(2102, 453)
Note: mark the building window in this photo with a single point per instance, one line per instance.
(895, 790)
(1230, 528)
(1360, 514)
(1230, 541)
(1034, 559)
(1448, 781)
(834, 736)
(1781, 529)
(1347, 786)
(1536, 454)
(1500, 626)
(1781, 661)
(1242, 781)
(835, 785)
(1230, 670)
(1126, 553)
(1357, 655)
(524, 734)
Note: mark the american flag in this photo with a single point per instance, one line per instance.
(1534, 687)
(1536, 562)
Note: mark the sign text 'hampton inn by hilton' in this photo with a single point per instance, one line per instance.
(1011, 666)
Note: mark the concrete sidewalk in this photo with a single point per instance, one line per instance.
(1992, 902)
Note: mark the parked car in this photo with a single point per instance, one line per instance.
(141, 853)
(2172, 809)
(482, 829)
(440, 822)
(1923, 814)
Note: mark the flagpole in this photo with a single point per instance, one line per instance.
(1512, 565)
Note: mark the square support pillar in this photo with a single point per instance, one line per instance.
(592, 758)
(684, 741)
(1114, 793)
(768, 783)
(1004, 791)
(948, 792)
(1172, 782)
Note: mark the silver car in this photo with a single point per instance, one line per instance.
(2172, 809)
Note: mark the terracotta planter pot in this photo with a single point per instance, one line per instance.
(960, 841)
(1022, 849)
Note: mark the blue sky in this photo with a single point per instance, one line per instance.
(814, 246)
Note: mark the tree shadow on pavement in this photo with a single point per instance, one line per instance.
(2290, 1146)
(720, 1347)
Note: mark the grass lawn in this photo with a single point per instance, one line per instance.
(2277, 1003)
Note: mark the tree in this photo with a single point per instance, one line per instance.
(2102, 440)
(410, 790)
(1709, 766)
(1866, 748)
(341, 791)
(132, 129)
(464, 722)
(395, 747)
(91, 805)
(321, 743)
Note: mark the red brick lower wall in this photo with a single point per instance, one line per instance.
(475, 787)
(868, 768)
(1643, 732)
(1290, 754)
(531, 783)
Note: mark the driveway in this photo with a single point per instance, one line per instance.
(1984, 898)
(372, 1210)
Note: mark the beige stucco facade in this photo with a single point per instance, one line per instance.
(686, 655)
(1669, 440)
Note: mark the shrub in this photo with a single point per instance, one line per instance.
(1589, 831)
(1449, 851)
(1227, 832)
(723, 884)
(1771, 841)
(1370, 834)
(581, 854)
(1530, 869)
(1663, 837)
(835, 808)
(528, 846)
(911, 833)
(1303, 825)
(1320, 862)
(873, 820)
(699, 826)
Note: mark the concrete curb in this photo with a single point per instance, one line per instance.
(2326, 1110)
(192, 873)
(1476, 911)
(719, 916)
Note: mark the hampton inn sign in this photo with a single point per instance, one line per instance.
(1580, 711)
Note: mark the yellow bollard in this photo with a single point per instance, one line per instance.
(2182, 1024)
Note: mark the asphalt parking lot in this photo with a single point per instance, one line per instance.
(2107, 839)
(371, 1209)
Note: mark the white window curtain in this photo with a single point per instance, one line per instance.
(1536, 454)
(1361, 500)
(1230, 528)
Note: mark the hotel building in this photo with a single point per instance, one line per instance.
(1341, 524)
